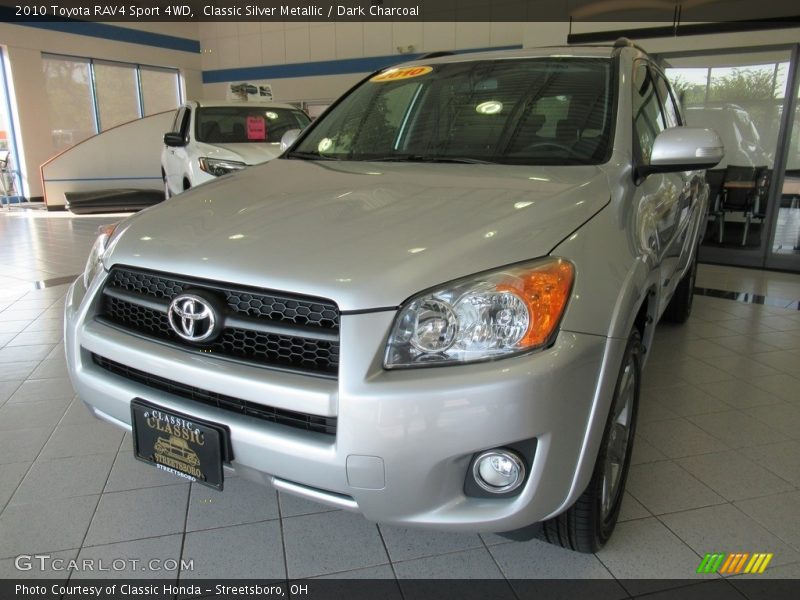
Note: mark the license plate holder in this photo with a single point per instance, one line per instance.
(179, 444)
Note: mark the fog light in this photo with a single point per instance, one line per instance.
(498, 471)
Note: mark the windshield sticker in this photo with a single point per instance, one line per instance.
(256, 128)
(401, 73)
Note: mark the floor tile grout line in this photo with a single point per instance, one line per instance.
(779, 535)
(684, 542)
(447, 553)
(283, 533)
(732, 503)
(388, 556)
(33, 462)
(16, 389)
(499, 568)
(766, 468)
(97, 504)
(776, 432)
(608, 570)
(184, 532)
(708, 485)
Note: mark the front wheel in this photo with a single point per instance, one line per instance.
(588, 524)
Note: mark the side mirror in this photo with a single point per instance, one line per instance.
(684, 149)
(289, 138)
(174, 139)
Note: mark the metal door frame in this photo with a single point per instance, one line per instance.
(761, 257)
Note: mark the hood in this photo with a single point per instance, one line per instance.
(366, 235)
(251, 154)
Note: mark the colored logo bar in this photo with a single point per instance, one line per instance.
(735, 563)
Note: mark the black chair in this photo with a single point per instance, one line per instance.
(738, 195)
(763, 183)
(714, 179)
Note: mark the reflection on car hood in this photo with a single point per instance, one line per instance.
(367, 235)
(251, 154)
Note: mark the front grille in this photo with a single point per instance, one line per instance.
(265, 328)
(317, 424)
(252, 303)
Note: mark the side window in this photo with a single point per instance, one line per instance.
(648, 120)
(671, 113)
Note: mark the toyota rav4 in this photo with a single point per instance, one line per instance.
(433, 309)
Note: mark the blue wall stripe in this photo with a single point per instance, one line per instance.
(117, 34)
(325, 67)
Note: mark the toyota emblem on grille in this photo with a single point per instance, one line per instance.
(192, 317)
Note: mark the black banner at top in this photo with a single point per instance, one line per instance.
(672, 12)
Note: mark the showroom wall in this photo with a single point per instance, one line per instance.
(234, 52)
(231, 50)
(24, 45)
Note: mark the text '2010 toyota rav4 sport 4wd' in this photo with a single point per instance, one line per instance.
(433, 309)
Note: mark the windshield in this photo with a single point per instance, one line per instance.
(542, 111)
(246, 124)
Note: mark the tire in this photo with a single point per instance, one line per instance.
(588, 524)
(680, 305)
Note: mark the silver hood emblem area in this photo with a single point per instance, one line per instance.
(192, 317)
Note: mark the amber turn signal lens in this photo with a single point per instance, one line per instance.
(545, 290)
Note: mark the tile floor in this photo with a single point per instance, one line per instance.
(716, 463)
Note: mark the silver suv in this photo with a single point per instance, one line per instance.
(433, 309)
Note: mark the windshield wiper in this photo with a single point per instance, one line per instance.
(309, 156)
(431, 159)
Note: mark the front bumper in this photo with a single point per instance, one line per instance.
(405, 438)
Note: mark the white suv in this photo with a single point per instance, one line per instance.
(209, 139)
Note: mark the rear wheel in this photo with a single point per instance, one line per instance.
(588, 524)
(680, 305)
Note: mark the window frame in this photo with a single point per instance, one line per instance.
(637, 145)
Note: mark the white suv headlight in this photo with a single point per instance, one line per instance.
(218, 167)
(495, 314)
(94, 264)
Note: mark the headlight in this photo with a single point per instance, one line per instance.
(487, 316)
(218, 167)
(95, 262)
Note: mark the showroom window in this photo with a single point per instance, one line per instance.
(86, 96)
(161, 89)
(117, 93)
(68, 85)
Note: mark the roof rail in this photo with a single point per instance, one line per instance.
(624, 42)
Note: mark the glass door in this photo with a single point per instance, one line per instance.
(10, 181)
(784, 247)
(743, 96)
